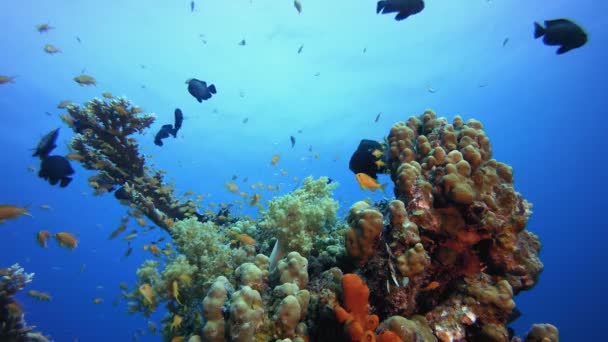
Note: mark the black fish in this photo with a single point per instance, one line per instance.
(243, 42)
(245, 120)
(293, 141)
(191, 6)
(56, 169)
(122, 194)
(300, 49)
(164, 132)
(562, 32)
(46, 144)
(200, 90)
(363, 161)
(169, 129)
(179, 119)
(78, 39)
(504, 42)
(404, 8)
(378, 117)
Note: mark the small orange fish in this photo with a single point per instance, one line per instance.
(245, 239)
(431, 286)
(141, 222)
(148, 293)
(107, 95)
(85, 80)
(51, 49)
(8, 212)
(7, 79)
(97, 300)
(42, 237)
(39, 295)
(232, 187)
(275, 159)
(66, 240)
(368, 183)
(255, 199)
(154, 250)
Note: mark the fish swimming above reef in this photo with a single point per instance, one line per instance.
(293, 141)
(192, 5)
(42, 28)
(562, 32)
(46, 144)
(56, 169)
(6, 79)
(85, 80)
(200, 90)
(51, 49)
(364, 160)
(403, 8)
(169, 129)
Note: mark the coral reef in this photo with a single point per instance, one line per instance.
(12, 322)
(443, 261)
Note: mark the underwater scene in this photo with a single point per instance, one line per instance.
(303, 170)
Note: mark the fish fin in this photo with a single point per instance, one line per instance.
(401, 15)
(65, 181)
(212, 89)
(53, 181)
(199, 99)
(539, 31)
(562, 49)
(379, 6)
(383, 187)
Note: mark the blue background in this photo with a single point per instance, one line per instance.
(544, 114)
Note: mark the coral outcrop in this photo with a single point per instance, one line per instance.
(443, 261)
(12, 322)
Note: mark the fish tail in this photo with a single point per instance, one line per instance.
(539, 31)
(212, 89)
(383, 187)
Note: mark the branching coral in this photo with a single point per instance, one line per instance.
(104, 142)
(12, 322)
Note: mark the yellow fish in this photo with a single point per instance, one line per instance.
(368, 183)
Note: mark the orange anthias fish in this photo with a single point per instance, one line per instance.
(275, 159)
(245, 239)
(39, 295)
(42, 237)
(51, 49)
(66, 240)
(431, 286)
(8, 212)
(368, 183)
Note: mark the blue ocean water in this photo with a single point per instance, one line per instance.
(542, 112)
